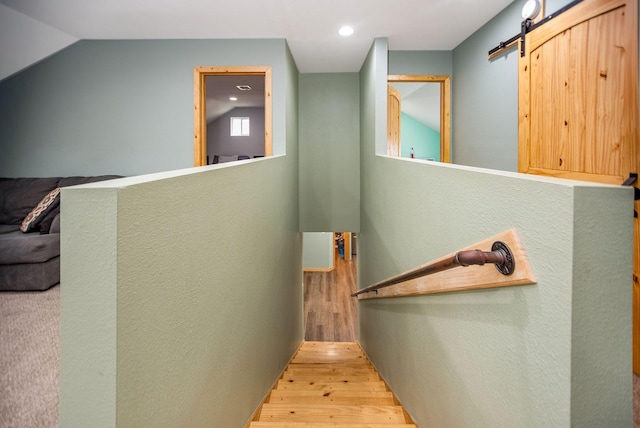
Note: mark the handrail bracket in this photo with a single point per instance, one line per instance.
(500, 255)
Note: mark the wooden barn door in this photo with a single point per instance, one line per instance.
(578, 103)
(393, 121)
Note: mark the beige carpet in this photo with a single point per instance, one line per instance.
(29, 358)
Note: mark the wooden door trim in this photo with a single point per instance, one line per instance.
(199, 105)
(445, 106)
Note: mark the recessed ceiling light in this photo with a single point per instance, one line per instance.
(244, 87)
(346, 31)
(233, 98)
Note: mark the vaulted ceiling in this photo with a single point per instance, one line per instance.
(309, 26)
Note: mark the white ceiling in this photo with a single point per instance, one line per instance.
(309, 26)
(221, 88)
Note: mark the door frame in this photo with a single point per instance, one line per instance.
(200, 75)
(445, 106)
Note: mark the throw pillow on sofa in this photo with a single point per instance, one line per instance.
(37, 214)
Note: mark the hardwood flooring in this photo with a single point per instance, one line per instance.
(330, 312)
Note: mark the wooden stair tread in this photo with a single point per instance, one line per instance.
(328, 385)
(332, 386)
(330, 352)
(380, 398)
(331, 359)
(331, 413)
(330, 368)
(260, 424)
(331, 377)
(318, 393)
(329, 345)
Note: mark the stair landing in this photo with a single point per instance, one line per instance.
(331, 384)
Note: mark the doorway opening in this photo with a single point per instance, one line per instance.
(329, 279)
(218, 92)
(418, 117)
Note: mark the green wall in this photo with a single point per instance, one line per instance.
(534, 356)
(118, 107)
(414, 134)
(329, 153)
(485, 96)
(168, 317)
(420, 62)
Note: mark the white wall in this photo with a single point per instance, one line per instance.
(318, 251)
(25, 41)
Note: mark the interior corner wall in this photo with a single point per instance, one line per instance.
(451, 357)
(329, 152)
(118, 107)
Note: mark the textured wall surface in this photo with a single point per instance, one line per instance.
(528, 356)
(182, 290)
(192, 325)
(88, 309)
(329, 153)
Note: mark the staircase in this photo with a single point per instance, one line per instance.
(331, 384)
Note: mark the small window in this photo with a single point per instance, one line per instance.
(239, 126)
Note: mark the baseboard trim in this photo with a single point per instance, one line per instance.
(319, 269)
(256, 413)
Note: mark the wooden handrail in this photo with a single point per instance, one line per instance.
(500, 255)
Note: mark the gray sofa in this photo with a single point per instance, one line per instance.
(30, 258)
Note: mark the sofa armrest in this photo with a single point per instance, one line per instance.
(55, 225)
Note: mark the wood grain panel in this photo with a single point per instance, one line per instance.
(393, 121)
(575, 119)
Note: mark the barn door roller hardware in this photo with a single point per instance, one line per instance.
(526, 26)
(633, 177)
